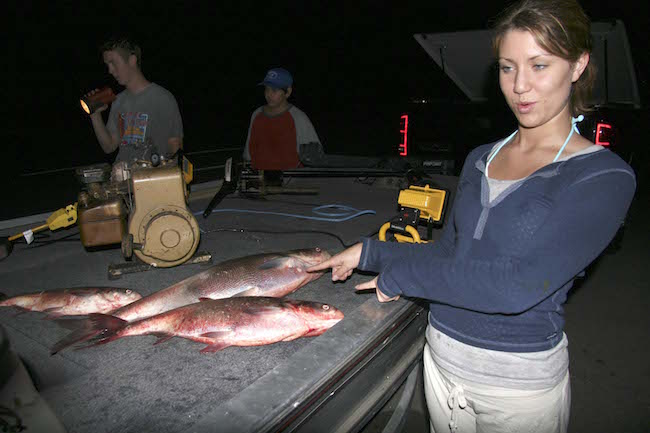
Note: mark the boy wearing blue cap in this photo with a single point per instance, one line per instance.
(278, 128)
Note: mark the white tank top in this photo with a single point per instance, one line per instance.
(497, 186)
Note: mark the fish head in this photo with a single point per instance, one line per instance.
(122, 297)
(310, 256)
(303, 259)
(299, 260)
(319, 317)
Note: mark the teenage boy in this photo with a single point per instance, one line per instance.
(278, 128)
(144, 118)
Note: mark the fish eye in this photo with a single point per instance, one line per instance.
(326, 307)
(129, 291)
(318, 250)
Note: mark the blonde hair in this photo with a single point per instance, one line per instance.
(561, 28)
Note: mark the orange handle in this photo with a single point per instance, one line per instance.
(34, 230)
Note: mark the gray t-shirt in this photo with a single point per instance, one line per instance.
(144, 122)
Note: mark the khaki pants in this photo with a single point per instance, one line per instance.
(463, 406)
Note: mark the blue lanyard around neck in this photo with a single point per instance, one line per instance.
(574, 120)
(573, 128)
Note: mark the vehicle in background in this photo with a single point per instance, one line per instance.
(442, 132)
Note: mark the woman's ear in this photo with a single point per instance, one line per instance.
(579, 66)
(288, 92)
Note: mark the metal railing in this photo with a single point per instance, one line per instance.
(189, 154)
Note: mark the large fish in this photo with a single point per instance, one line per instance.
(239, 321)
(273, 274)
(74, 301)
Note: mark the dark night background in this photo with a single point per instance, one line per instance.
(352, 62)
(355, 64)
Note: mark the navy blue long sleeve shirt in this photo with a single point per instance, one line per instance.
(499, 275)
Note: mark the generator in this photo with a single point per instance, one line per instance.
(142, 207)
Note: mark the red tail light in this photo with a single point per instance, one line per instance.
(604, 134)
(404, 134)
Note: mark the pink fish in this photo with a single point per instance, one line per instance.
(74, 301)
(273, 275)
(239, 321)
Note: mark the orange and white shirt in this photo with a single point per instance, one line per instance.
(273, 142)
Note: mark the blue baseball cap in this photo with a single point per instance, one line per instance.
(277, 78)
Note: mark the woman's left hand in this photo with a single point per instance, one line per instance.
(372, 284)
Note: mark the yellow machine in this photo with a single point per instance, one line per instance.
(59, 219)
(162, 230)
(143, 208)
(417, 204)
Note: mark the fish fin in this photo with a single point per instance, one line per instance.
(214, 348)
(275, 263)
(51, 313)
(96, 341)
(162, 338)
(59, 318)
(217, 334)
(255, 310)
(73, 337)
(105, 321)
(217, 345)
(98, 328)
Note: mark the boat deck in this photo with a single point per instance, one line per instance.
(131, 385)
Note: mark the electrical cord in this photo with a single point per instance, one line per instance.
(41, 240)
(279, 232)
(283, 232)
(266, 199)
(329, 213)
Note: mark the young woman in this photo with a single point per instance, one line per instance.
(531, 212)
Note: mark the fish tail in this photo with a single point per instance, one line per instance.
(102, 338)
(96, 329)
(2, 296)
